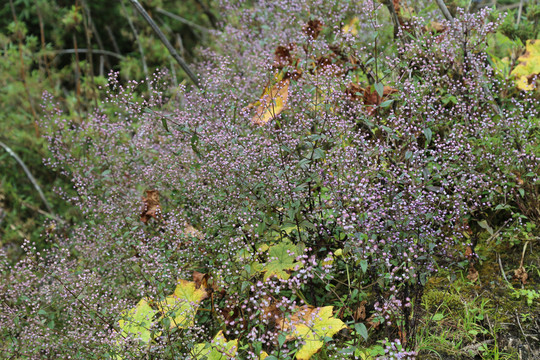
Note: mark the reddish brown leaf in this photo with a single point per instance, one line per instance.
(200, 279)
(283, 56)
(397, 6)
(371, 98)
(313, 28)
(360, 312)
(469, 253)
(151, 206)
(372, 322)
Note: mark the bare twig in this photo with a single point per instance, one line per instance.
(134, 30)
(444, 10)
(208, 13)
(397, 27)
(29, 175)
(95, 51)
(502, 270)
(521, 328)
(23, 69)
(165, 42)
(496, 233)
(113, 39)
(182, 20)
(43, 45)
(475, 347)
(519, 12)
(523, 254)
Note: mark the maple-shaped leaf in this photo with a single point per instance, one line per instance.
(282, 260)
(218, 349)
(181, 306)
(138, 321)
(529, 66)
(272, 102)
(312, 327)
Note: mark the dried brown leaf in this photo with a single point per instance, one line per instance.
(313, 28)
(360, 313)
(151, 207)
(521, 275)
(283, 56)
(473, 273)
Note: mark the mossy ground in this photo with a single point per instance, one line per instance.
(493, 317)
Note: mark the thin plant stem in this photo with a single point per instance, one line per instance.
(94, 51)
(23, 70)
(182, 20)
(136, 34)
(165, 42)
(444, 10)
(29, 175)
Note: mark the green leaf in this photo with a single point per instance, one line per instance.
(363, 265)
(282, 260)
(379, 88)
(428, 134)
(438, 317)
(386, 103)
(362, 330)
(164, 123)
(281, 339)
(483, 224)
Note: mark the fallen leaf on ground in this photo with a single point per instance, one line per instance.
(283, 56)
(370, 98)
(469, 253)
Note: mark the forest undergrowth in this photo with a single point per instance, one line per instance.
(344, 179)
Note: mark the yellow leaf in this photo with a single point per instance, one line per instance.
(182, 305)
(138, 321)
(312, 327)
(529, 66)
(218, 349)
(352, 26)
(272, 102)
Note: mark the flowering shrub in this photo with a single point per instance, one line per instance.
(345, 185)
